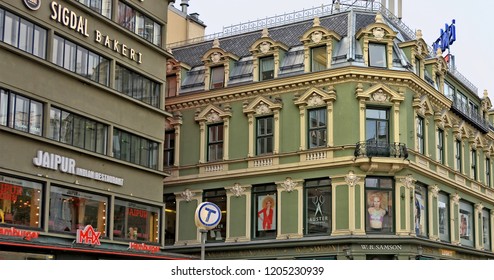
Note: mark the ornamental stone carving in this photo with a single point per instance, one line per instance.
(262, 109)
(215, 57)
(380, 96)
(408, 181)
(351, 179)
(213, 116)
(289, 185)
(378, 33)
(434, 190)
(264, 47)
(316, 36)
(237, 190)
(315, 100)
(187, 195)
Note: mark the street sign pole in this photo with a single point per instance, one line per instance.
(207, 216)
(204, 233)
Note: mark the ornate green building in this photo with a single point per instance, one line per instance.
(341, 135)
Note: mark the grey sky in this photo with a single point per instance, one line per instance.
(471, 49)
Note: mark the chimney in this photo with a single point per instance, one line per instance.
(400, 9)
(391, 8)
(184, 4)
(383, 3)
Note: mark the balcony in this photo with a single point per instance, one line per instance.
(472, 116)
(381, 149)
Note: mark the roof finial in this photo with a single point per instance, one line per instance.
(439, 52)
(486, 94)
(216, 43)
(379, 18)
(317, 22)
(418, 34)
(265, 32)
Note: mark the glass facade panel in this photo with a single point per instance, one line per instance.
(20, 202)
(379, 205)
(318, 207)
(21, 113)
(443, 205)
(136, 221)
(136, 86)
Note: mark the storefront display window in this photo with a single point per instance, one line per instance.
(486, 226)
(265, 211)
(318, 206)
(20, 202)
(420, 210)
(71, 210)
(379, 205)
(217, 197)
(170, 218)
(466, 224)
(135, 221)
(443, 205)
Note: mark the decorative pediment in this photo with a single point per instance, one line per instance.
(476, 141)
(378, 31)
(379, 93)
(261, 106)
(265, 45)
(317, 34)
(486, 102)
(423, 106)
(172, 66)
(443, 119)
(489, 149)
(218, 56)
(460, 131)
(316, 97)
(212, 114)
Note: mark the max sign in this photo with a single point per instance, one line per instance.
(88, 236)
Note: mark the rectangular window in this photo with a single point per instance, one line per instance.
(443, 205)
(137, 86)
(420, 135)
(488, 172)
(319, 58)
(377, 132)
(217, 77)
(379, 205)
(449, 91)
(466, 224)
(135, 21)
(135, 149)
(317, 128)
(169, 148)
(318, 207)
(265, 211)
(21, 113)
(20, 202)
(215, 142)
(171, 86)
(77, 131)
(265, 135)
(458, 152)
(170, 218)
(80, 60)
(417, 66)
(420, 211)
(474, 164)
(217, 197)
(71, 210)
(440, 145)
(136, 221)
(102, 7)
(266, 68)
(486, 229)
(22, 34)
(377, 55)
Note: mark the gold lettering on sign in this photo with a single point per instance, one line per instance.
(116, 46)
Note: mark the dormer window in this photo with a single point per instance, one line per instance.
(319, 58)
(377, 55)
(217, 77)
(417, 66)
(266, 68)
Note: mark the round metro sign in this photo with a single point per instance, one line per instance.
(208, 215)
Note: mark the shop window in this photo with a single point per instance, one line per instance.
(71, 210)
(317, 128)
(379, 205)
(319, 58)
(21, 113)
(217, 197)
(318, 207)
(22, 34)
(217, 77)
(420, 135)
(466, 223)
(171, 86)
(102, 7)
(266, 68)
(473, 161)
(170, 218)
(20, 202)
(169, 153)
(377, 55)
(458, 151)
(215, 142)
(136, 221)
(486, 229)
(77, 131)
(443, 207)
(420, 210)
(265, 211)
(265, 135)
(440, 146)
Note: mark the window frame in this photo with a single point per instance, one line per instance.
(265, 137)
(9, 112)
(321, 186)
(259, 195)
(421, 210)
(440, 146)
(315, 53)
(421, 134)
(169, 148)
(473, 163)
(216, 143)
(218, 197)
(381, 222)
(139, 210)
(488, 172)
(458, 155)
(374, 50)
(321, 131)
(217, 79)
(268, 74)
(443, 217)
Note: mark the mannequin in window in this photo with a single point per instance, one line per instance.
(266, 213)
(376, 212)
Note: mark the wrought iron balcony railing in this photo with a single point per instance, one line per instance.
(381, 149)
(471, 115)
